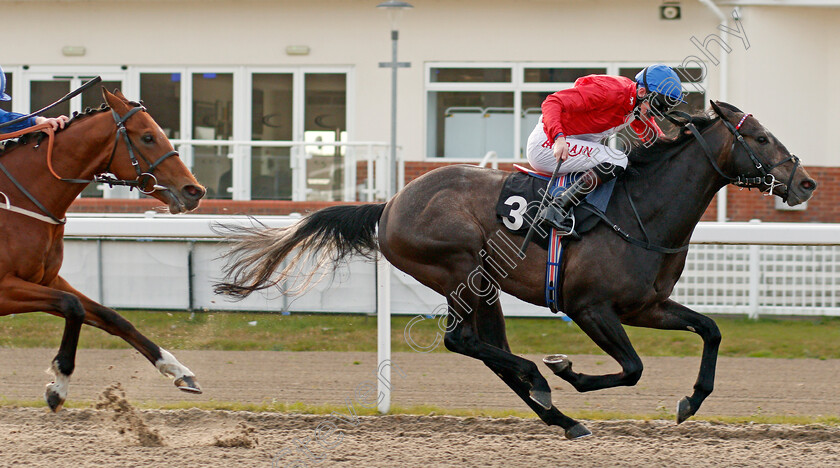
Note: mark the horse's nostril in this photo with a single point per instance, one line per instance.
(193, 191)
(808, 184)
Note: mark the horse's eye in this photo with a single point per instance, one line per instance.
(147, 138)
(762, 139)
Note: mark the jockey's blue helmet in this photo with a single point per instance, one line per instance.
(661, 79)
(3, 95)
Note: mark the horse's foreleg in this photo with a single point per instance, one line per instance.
(18, 296)
(670, 315)
(109, 320)
(491, 326)
(603, 326)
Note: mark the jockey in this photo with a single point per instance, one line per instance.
(56, 123)
(575, 121)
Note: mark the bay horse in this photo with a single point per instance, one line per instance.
(43, 174)
(440, 227)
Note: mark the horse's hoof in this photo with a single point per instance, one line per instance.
(577, 431)
(684, 410)
(558, 363)
(53, 399)
(542, 397)
(187, 384)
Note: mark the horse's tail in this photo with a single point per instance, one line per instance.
(329, 235)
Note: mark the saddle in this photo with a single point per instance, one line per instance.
(517, 207)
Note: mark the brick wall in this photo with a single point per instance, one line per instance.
(743, 205)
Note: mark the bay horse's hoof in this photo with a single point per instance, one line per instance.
(684, 410)
(577, 431)
(558, 363)
(542, 397)
(53, 399)
(188, 384)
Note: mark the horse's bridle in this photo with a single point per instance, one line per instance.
(140, 182)
(143, 178)
(742, 180)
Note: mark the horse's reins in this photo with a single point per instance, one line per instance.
(744, 181)
(142, 177)
(139, 182)
(741, 180)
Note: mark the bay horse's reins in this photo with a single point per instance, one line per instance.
(111, 181)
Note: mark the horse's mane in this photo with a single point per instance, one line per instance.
(24, 139)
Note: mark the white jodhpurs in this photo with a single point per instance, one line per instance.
(585, 152)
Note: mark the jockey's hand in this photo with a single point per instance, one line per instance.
(561, 149)
(56, 123)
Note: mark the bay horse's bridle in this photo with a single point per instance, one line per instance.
(143, 178)
(765, 179)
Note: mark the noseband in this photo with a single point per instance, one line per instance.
(143, 178)
(742, 180)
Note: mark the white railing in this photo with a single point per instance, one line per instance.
(742, 268)
(375, 154)
(491, 157)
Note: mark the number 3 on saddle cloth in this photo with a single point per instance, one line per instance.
(517, 207)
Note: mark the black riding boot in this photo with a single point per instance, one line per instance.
(558, 213)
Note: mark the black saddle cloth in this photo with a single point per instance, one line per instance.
(520, 198)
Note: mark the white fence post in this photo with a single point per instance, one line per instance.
(383, 326)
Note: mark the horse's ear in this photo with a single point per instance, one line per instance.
(118, 94)
(115, 102)
(720, 112)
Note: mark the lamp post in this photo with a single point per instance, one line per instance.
(383, 269)
(394, 9)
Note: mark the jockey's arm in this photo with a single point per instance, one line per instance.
(557, 106)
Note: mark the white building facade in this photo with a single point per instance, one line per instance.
(277, 73)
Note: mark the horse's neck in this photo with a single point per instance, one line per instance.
(78, 153)
(672, 198)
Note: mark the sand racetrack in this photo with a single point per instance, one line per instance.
(117, 435)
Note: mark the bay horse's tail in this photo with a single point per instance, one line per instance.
(329, 236)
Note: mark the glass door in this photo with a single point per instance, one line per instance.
(325, 120)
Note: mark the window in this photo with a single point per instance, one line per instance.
(473, 109)
(161, 94)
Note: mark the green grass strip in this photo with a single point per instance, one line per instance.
(767, 337)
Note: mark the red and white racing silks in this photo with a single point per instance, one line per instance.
(596, 107)
(597, 104)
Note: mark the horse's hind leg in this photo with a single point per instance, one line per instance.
(462, 337)
(603, 326)
(109, 320)
(18, 296)
(491, 327)
(670, 315)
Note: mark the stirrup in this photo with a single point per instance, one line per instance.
(554, 217)
(567, 227)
